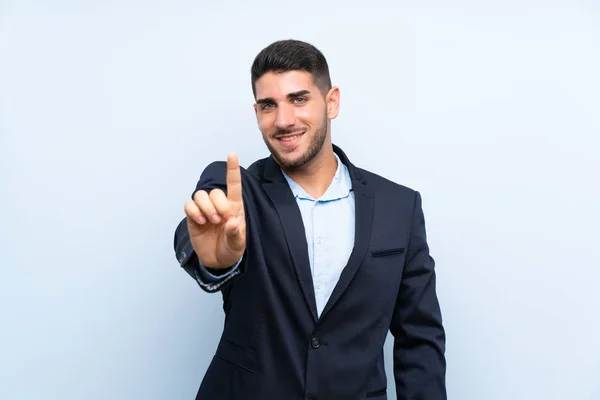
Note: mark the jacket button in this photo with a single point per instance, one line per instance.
(315, 343)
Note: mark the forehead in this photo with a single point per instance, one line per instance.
(279, 85)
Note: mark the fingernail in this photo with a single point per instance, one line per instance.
(215, 218)
(201, 220)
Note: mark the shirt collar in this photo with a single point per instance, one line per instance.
(340, 186)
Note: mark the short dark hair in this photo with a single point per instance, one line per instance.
(292, 55)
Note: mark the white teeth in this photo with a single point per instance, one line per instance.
(287, 139)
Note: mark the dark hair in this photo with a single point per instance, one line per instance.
(292, 55)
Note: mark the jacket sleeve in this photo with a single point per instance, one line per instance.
(210, 280)
(419, 336)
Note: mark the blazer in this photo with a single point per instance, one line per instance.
(273, 345)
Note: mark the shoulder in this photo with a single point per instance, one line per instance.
(390, 195)
(385, 185)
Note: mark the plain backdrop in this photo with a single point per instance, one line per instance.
(110, 110)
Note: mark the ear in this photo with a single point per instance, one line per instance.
(333, 102)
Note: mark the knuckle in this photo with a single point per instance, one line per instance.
(190, 206)
(198, 195)
(215, 194)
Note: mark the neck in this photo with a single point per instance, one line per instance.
(316, 176)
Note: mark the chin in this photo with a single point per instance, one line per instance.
(289, 154)
(288, 161)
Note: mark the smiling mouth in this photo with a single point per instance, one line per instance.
(289, 138)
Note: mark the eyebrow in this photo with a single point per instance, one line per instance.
(289, 96)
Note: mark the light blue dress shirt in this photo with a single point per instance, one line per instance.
(329, 229)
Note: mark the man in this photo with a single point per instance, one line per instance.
(316, 259)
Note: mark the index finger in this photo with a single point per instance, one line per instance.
(234, 178)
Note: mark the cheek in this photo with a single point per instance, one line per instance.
(265, 123)
(312, 116)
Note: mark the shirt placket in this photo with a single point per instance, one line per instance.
(320, 257)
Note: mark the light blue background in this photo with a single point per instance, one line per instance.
(109, 111)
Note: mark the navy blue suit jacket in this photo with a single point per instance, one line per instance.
(274, 346)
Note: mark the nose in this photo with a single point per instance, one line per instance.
(285, 117)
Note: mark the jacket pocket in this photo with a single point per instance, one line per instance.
(387, 252)
(234, 353)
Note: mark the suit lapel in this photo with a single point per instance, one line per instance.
(291, 219)
(364, 206)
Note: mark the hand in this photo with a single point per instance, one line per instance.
(216, 222)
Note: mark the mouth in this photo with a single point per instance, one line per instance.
(289, 140)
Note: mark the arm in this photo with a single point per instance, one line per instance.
(419, 337)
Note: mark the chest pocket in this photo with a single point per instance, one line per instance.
(383, 270)
(387, 252)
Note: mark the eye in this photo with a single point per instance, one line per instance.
(267, 106)
(299, 100)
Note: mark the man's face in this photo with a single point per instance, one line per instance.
(293, 116)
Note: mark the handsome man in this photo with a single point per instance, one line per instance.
(316, 258)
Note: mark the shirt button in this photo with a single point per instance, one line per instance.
(319, 240)
(315, 343)
(318, 286)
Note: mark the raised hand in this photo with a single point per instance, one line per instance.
(216, 222)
